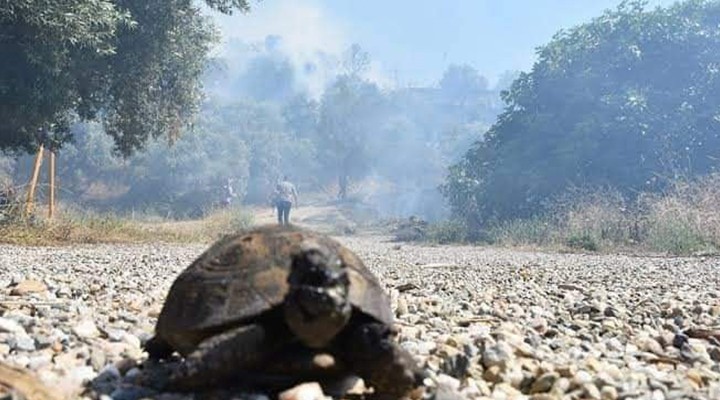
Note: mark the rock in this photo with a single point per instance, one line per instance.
(131, 393)
(497, 355)
(466, 313)
(109, 372)
(115, 335)
(679, 340)
(426, 347)
(98, 360)
(39, 361)
(402, 307)
(131, 340)
(305, 391)
(22, 342)
(581, 378)
(544, 383)
(86, 329)
(11, 326)
(591, 391)
(608, 393)
(82, 375)
(493, 374)
(448, 388)
(28, 286)
(63, 292)
(561, 386)
(43, 342)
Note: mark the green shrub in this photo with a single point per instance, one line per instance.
(537, 230)
(676, 236)
(447, 232)
(583, 242)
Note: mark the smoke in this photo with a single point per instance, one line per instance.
(275, 105)
(302, 31)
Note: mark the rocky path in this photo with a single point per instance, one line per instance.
(490, 323)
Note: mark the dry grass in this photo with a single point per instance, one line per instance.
(684, 220)
(687, 218)
(74, 227)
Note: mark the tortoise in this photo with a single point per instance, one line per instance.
(256, 299)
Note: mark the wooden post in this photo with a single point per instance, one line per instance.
(33, 181)
(51, 206)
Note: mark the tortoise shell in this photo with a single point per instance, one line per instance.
(245, 275)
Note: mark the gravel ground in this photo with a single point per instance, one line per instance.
(488, 323)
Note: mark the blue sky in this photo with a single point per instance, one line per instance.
(413, 41)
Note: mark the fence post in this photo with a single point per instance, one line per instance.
(33, 181)
(51, 206)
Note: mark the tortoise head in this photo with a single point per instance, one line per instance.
(317, 306)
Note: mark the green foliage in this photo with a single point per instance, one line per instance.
(684, 220)
(350, 114)
(134, 64)
(462, 83)
(599, 215)
(269, 78)
(623, 100)
(390, 148)
(228, 221)
(676, 236)
(583, 242)
(444, 232)
(537, 230)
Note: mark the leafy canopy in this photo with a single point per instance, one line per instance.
(626, 100)
(134, 64)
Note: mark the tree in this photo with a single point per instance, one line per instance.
(301, 116)
(350, 112)
(133, 64)
(463, 82)
(506, 79)
(355, 61)
(269, 78)
(623, 100)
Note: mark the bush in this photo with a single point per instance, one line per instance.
(683, 220)
(227, 221)
(676, 236)
(447, 232)
(579, 117)
(519, 232)
(686, 219)
(583, 242)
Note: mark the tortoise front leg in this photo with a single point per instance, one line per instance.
(158, 348)
(370, 350)
(225, 357)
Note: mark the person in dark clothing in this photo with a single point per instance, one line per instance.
(285, 197)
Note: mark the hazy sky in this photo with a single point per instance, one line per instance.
(414, 40)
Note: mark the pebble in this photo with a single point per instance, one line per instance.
(604, 327)
(86, 329)
(11, 326)
(22, 343)
(28, 286)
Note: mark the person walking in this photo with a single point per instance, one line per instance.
(285, 197)
(228, 193)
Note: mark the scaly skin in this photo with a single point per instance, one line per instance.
(224, 357)
(388, 368)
